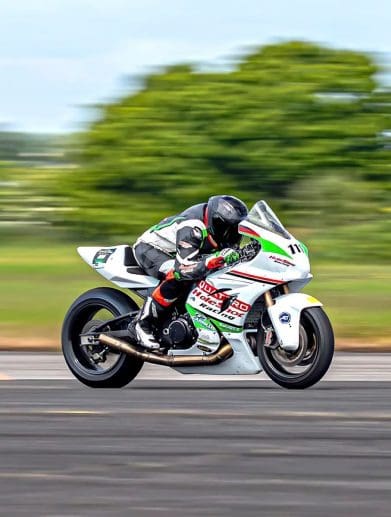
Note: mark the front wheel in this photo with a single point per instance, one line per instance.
(95, 365)
(306, 365)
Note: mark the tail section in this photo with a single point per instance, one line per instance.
(112, 262)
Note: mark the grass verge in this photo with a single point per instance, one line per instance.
(38, 283)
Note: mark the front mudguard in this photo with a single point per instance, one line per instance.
(285, 317)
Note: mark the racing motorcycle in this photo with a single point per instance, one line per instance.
(244, 318)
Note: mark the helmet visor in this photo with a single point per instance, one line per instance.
(226, 234)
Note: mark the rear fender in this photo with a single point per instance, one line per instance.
(285, 317)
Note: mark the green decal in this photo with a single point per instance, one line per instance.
(268, 246)
(273, 248)
(166, 224)
(304, 248)
(200, 320)
(226, 327)
(102, 256)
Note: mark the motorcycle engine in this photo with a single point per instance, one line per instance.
(179, 332)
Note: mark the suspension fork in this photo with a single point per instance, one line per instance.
(269, 299)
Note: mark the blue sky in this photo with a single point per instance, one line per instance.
(59, 56)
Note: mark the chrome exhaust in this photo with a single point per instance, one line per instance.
(224, 352)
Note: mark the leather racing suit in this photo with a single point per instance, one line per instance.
(183, 237)
(182, 249)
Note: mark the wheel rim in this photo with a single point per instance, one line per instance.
(293, 365)
(88, 318)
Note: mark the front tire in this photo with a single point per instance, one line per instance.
(306, 366)
(89, 310)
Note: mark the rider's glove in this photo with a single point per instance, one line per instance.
(214, 261)
(222, 258)
(229, 255)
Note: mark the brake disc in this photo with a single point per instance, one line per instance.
(288, 358)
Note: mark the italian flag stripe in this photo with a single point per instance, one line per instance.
(256, 277)
(248, 231)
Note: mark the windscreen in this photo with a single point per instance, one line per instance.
(262, 215)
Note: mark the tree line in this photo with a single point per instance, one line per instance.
(304, 126)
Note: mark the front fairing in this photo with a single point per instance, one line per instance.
(228, 296)
(270, 268)
(282, 255)
(282, 259)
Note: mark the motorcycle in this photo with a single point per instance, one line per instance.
(241, 319)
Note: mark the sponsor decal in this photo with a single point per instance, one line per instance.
(284, 317)
(202, 321)
(280, 260)
(219, 302)
(184, 244)
(222, 296)
(226, 327)
(230, 315)
(101, 257)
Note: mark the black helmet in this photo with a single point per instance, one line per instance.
(224, 213)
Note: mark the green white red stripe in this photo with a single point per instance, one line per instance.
(257, 278)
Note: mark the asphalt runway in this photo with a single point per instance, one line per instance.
(195, 447)
(372, 367)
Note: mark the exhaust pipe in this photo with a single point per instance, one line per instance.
(223, 353)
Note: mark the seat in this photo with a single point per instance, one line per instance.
(131, 263)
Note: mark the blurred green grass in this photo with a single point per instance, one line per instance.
(357, 299)
(39, 281)
(37, 284)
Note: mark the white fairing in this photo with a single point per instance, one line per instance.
(274, 265)
(285, 317)
(226, 297)
(109, 262)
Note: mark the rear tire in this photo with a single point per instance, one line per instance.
(121, 368)
(316, 334)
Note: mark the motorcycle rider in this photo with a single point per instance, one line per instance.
(201, 239)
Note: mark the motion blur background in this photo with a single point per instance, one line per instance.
(114, 114)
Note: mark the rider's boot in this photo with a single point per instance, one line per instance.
(150, 313)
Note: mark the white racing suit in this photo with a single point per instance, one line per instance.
(184, 238)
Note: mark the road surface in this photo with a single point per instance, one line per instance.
(184, 446)
(345, 367)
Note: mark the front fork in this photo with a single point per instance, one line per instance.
(268, 296)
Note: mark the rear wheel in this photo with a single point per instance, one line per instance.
(306, 365)
(96, 365)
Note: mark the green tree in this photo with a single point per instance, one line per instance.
(286, 113)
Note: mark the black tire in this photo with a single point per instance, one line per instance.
(316, 329)
(80, 316)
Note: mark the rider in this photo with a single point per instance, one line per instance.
(201, 238)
